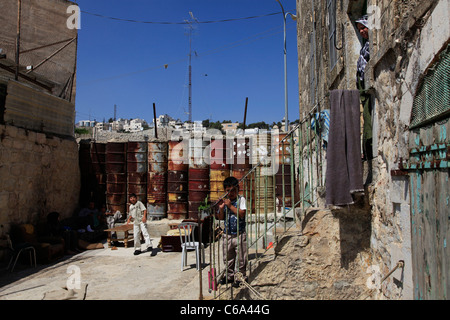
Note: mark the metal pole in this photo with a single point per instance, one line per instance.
(200, 269)
(286, 118)
(286, 124)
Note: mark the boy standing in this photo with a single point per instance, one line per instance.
(234, 230)
(138, 212)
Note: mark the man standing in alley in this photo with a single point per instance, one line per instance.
(138, 213)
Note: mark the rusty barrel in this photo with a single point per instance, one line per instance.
(264, 190)
(116, 176)
(198, 189)
(177, 180)
(157, 179)
(216, 183)
(199, 152)
(178, 159)
(87, 178)
(137, 169)
(98, 162)
(221, 154)
(177, 195)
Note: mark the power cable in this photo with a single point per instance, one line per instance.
(230, 45)
(183, 22)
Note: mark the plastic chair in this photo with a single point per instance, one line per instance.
(187, 238)
(17, 249)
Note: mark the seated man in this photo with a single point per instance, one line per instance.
(87, 216)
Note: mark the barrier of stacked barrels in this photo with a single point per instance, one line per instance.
(177, 180)
(157, 179)
(175, 177)
(116, 176)
(198, 174)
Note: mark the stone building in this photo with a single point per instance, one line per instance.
(401, 223)
(39, 170)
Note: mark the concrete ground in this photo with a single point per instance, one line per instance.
(107, 274)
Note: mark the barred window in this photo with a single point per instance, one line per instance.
(432, 100)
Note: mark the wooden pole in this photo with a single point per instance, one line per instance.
(154, 119)
(245, 112)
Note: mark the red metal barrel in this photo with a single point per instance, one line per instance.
(116, 179)
(157, 179)
(221, 154)
(198, 189)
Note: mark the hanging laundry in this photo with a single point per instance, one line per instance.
(320, 124)
(344, 167)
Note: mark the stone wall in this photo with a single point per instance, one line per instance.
(38, 174)
(408, 40)
(407, 37)
(327, 257)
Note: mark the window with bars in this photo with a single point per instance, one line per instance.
(432, 100)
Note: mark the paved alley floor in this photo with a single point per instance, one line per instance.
(106, 274)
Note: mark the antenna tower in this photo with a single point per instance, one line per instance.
(190, 59)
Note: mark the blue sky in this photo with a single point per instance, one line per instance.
(123, 63)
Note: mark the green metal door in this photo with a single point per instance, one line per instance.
(428, 168)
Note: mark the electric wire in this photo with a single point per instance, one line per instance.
(230, 45)
(179, 23)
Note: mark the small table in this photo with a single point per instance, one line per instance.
(123, 228)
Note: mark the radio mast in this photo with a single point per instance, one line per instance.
(190, 60)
